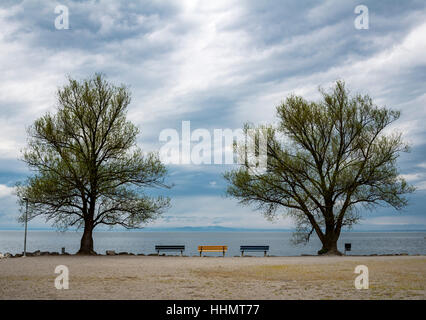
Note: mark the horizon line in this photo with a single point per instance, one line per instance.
(208, 229)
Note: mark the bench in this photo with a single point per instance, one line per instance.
(265, 249)
(222, 249)
(170, 248)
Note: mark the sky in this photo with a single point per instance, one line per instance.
(217, 64)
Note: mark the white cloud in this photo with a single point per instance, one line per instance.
(422, 165)
(421, 185)
(6, 191)
(176, 62)
(395, 220)
(411, 177)
(215, 210)
(377, 75)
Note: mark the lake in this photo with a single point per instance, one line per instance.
(363, 243)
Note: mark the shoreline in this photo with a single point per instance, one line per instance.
(39, 253)
(384, 243)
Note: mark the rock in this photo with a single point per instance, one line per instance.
(141, 254)
(54, 253)
(110, 253)
(33, 254)
(123, 253)
(44, 253)
(1, 255)
(7, 255)
(18, 255)
(153, 254)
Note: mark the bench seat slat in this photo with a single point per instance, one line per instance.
(170, 247)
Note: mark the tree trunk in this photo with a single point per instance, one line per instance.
(329, 244)
(86, 244)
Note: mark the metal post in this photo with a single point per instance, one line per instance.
(26, 222)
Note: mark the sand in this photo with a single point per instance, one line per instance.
(173, 277)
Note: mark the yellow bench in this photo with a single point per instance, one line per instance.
(222, 249)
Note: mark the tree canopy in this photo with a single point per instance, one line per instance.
(87, 167)
(326, 161)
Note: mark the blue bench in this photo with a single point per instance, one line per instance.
(170, 248)
(243, 249)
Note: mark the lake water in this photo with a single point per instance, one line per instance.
(363, 243)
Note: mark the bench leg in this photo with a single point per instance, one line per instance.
(223, 252)
(264, 254)
(200, 253)
(181, 253)
(242, 253)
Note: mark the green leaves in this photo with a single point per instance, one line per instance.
(87, 165)
(325, 159)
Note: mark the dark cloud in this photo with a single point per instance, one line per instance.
(217, 64)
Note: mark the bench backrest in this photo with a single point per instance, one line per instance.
(213, 248)
(260, 248)
(171, 247)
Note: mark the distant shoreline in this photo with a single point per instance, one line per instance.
(207, 230)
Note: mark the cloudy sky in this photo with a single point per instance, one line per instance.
(216, 64)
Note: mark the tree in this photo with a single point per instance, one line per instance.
(87, 167)
(325, 161)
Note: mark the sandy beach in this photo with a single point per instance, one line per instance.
(172, 277)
